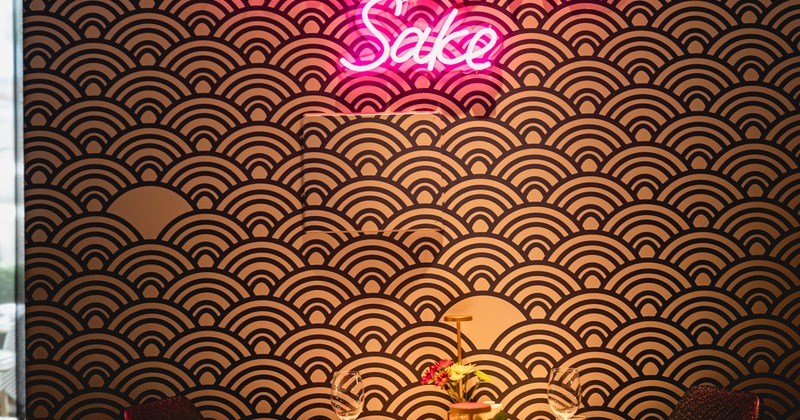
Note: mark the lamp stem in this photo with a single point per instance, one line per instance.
(458, 319)
(458, 340)
(458, 346)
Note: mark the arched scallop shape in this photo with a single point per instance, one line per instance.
(200, 17)
(92, 65)
(700, 197)
(317, 293)
(697, 81)
(260, 261)
(93, 123)
(207, 355)
(755, 167)
(262, 323)
(515, 107)
(536, 229)
(680, 20)
(587, 83)
(96, 239)
(642, 110)
(644, 169)
(206, 296)
(531, 55)
(151, 326)
(263, 382)
(702, 254)
(588, 140)
(251, 34)
(480, 260)
(752, 110)
(260, 207)
(589, 199)
(97, 299)
(45, 95)
(202, 63)
(586, 27)
(477, 144)
(371, 262)
(90, 17)
(148, 94)
(699, 139)
(647, 286)
(372, 320)
(152, 380)
(479, 202)
(317, 351)
(428, 291)
(645, 227)
(649, 344)
(163, 32)
(751, 51)
(537, 287)
(703, 314)
(760, 284)
(641, 53)
(151, 266)
(782, 17)
(206, 237)
(43, 337)
(757, 225)
(45, 38)
(593, 316)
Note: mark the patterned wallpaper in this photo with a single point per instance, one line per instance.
(620, 193)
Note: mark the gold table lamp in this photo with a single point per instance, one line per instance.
(458, 319)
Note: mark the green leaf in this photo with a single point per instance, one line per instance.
(470, 392)
(453, 395)
(500, 416)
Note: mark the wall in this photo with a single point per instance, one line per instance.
(620, 193)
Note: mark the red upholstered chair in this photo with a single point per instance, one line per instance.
(708, 403)
(175, 408)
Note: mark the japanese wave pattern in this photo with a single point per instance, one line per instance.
(620, 193)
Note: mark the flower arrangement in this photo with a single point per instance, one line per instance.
(450, 376)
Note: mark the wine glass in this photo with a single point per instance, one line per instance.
(347, 394)
(564, 392)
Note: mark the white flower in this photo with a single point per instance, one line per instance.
(458, 372)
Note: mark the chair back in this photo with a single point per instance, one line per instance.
(708, 403)
(175, 408)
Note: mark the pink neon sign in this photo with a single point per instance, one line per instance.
(474, 55)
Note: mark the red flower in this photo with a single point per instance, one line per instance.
(441, 378)
(441, 364)
(427, 377)
(434, 370)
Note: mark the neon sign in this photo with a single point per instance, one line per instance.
(474, 55)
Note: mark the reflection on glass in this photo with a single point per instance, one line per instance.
(564, 392)
(347, 395)
(8, 222)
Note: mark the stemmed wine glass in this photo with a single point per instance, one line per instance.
(564, 392)
(347, 394)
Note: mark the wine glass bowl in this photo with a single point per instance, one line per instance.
(564, 392)
(347, 395)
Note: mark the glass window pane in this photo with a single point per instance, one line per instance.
(8, 222)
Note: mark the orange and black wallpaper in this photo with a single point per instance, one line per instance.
(207, 216)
